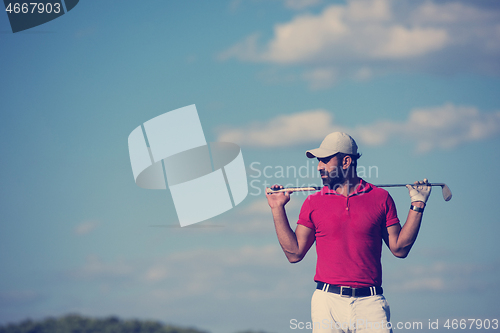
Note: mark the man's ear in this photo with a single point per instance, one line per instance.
(346, 162)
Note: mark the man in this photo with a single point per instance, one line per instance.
(348, 219)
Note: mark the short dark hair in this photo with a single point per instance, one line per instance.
(354, 157)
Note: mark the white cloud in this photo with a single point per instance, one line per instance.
(94, 268)
(402, 42)
(441, 127)
(247, 50)
(260, 207)
(86, 227)
(156, 273)
(441, 277)
(306, 37)
(284, 130)
(178, 285)
(450, 13)
(256, 218)
(248, 273)
(195, 286)
(320, 78)
(363, 74)
(386, 34)
(218, 274)
(365, 29)
(214, 272)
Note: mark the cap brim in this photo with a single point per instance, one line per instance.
(320, 152)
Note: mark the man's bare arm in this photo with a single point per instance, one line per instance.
(400, 240)
(294, 244)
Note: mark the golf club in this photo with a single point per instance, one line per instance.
(446, 190)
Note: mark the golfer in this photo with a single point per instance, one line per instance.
(348, 219)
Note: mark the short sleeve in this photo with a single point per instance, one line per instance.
(391, 214)
(305, 214)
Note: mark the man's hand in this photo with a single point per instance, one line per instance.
(419, 191)
(276, 200)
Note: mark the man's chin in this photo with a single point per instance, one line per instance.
(332, 183)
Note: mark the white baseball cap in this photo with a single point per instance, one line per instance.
(336, 142)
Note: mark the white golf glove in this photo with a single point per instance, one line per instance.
(419, 191)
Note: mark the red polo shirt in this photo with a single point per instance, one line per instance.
(348, 233)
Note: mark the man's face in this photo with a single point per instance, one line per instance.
(330, 170)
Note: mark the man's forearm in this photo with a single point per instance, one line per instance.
(409, 232)
(286, 236)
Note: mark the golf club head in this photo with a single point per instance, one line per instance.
(446, 192)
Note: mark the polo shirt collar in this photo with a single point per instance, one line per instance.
(363, 187)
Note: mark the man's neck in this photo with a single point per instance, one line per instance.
(348, 186)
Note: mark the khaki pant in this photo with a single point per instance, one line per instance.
(332, 313)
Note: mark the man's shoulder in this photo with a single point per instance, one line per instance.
(318, 196)
(325, 190)
(367, 187)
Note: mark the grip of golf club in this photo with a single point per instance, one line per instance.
(293, 189)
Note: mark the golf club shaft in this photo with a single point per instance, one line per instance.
(316, 188)
(404, 185)
(445, 189)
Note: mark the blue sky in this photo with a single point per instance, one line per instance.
(415, 82)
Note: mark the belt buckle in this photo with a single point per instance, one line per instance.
(342, 288)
